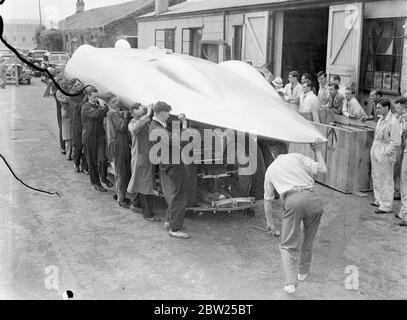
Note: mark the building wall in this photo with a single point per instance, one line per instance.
(20, 35)
(212, 29)
(216, 28)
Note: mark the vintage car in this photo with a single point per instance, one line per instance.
(54, 59)
(17, 71)
(36, 57)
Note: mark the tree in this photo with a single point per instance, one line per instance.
(51, 40)
(37, 34)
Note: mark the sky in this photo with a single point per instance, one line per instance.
(55, 10)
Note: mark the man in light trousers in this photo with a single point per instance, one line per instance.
(291, 176)
(402, 102)
(387, 139)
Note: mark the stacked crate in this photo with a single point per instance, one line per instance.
(347, 156)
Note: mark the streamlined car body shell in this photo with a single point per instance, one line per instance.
(230, 94)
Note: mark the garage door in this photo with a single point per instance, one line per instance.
(344, 42)
(255, 33)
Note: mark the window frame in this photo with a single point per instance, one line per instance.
(234, 27)
(396, 69)
(165, 30)
(190, 44)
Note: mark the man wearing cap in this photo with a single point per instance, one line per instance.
(277, 84)
(291, 176)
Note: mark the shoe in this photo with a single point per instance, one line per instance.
(396, 197)
(380, 211)
(374, 204)
(302, 277)
(167, 225)
(85, 171)
(115, 197)
(127, 200)
(398, 217)
(69, 158)
(403, 224)
(76, 168)
(124, 205)
(99, 187)
(63, 151)
(153, 219)
(108, 183)
(179, 234)
(290, 289)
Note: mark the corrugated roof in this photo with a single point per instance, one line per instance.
(100, 16)
(206, 5)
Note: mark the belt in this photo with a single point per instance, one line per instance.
(296, 190)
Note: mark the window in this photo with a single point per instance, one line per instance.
(191, 41)
(165, 38)
(382, 54)
(237, 42)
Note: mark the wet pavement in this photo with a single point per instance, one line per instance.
(86, 243)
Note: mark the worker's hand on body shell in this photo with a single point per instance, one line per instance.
(181, 117)
(317, 145)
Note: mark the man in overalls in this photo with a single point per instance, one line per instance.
(387, 139)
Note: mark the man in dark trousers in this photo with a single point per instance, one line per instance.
(59, 116)
(119, 118)
(173, 173)
(93, 138)
(291, 176)
(75, 106)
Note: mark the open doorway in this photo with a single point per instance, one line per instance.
(305, 37)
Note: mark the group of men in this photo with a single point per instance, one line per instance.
(301, 96)
(291, 175)
(389, 163)
(105, 131)
(126, 143)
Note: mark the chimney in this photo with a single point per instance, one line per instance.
(80, 6)
(160, 6)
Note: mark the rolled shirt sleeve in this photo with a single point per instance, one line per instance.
(268, 188)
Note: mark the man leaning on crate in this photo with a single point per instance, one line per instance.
(291, 176)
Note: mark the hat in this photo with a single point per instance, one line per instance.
(278, 82)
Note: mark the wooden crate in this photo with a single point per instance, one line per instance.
(347, 156)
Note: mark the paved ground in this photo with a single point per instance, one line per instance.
(102, 251)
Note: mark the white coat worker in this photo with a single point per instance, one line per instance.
(387, 139)
(401, 102)
(291, 176)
